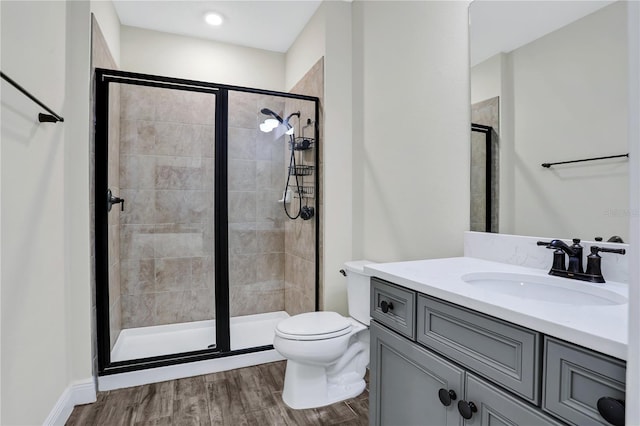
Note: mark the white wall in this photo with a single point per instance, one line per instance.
(412, 137)
(77, 158)
(307, 49)
(45, 321)
(584, 62)
(337, 154)
(633, 356)
(171, 55)
(486, 78)
(107, 17)
(0, 240)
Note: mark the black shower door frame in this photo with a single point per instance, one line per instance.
(105, 77)
(489, 203)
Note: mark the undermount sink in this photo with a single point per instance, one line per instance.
(545, 288)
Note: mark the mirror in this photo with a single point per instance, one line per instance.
(550, 80)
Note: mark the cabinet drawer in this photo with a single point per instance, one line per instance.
(496, 407)
(505, 353)
(575, 378)
(393, 306)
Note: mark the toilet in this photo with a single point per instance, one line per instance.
(327, 354)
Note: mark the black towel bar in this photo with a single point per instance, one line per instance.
(547, 165)
(52, 117)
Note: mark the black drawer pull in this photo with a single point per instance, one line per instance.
(612, 410)
(386, 307)
(446, 396)
(467, 409)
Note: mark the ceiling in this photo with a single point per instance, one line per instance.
(275, 25)
(262, 24)
(502, 26)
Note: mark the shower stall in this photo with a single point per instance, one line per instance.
(206, 226)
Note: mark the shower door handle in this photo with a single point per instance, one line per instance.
(111, 200)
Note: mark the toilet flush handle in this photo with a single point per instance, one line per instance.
(343, 272)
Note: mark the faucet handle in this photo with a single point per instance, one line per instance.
(594, 263)
(596, 249)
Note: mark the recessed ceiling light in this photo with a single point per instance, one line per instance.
(213, 18)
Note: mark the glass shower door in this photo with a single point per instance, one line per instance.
(195, 255)
(160, 220)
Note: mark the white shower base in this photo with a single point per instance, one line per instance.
(246, 332)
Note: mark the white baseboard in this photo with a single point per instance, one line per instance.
(78, 393)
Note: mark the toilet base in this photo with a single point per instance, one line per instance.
(306, 386)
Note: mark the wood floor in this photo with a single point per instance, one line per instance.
(246, 396)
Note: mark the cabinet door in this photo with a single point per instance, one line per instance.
(405, 380)
(498, 408)
(576, 378)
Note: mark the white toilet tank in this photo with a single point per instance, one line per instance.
(358, 290)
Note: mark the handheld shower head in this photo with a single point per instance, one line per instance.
(267, 111)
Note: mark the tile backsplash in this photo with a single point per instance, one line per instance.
(523, 251)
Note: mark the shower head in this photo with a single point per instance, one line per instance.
(276, 120)
(267, 111)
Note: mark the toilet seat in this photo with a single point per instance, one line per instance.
(314, 326)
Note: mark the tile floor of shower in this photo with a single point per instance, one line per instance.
(246, 331)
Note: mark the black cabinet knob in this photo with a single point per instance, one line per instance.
(386, 306)
(467, 409)
(446, 396)
(612, 410)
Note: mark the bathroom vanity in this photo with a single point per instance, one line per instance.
(449, 349)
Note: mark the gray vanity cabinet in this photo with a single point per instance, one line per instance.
(405, 380)
(498, 408)
(575, 379)
(505, 352)
(456, 367)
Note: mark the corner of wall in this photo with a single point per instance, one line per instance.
(306, 50)
(76, 183)
(338, 152)
(106, 15)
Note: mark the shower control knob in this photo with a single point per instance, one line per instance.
(111, 200)
(386, 306)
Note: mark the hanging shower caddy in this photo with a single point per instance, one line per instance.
(301, 170)
(301, 143)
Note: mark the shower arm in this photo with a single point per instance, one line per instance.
(286, 121)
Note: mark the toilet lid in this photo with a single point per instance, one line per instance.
(314, 325)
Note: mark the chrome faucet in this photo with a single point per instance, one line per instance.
(574, 252)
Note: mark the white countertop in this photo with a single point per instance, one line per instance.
(601, 328)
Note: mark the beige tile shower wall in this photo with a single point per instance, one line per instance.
(166, 178)
(300, 235)
(256, 178)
